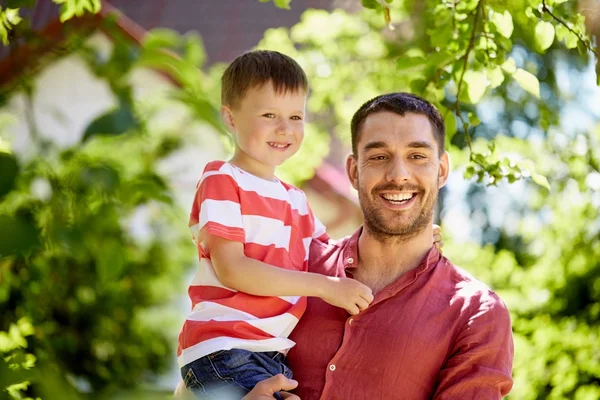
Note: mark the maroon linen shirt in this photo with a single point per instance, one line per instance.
(434, 333)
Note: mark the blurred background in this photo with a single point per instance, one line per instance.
(109, 112)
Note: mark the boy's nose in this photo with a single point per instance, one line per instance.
(284, 128)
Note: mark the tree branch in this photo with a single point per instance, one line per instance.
(563, 23)
(464, 70)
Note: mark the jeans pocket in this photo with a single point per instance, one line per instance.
(191, 381)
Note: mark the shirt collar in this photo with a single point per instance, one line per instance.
(350, 255)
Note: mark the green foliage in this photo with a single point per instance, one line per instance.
(76, 8)
(9, 19)
(88, 292)
(549, 272)
(10, 15)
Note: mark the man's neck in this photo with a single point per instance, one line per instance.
(381, 262)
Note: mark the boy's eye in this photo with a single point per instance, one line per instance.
(269, 115)
(296, 118)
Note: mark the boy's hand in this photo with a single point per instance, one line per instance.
(438, 239)
(348, 294)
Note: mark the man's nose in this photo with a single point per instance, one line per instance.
(398, 170)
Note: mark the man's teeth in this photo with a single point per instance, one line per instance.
(402, 197)
(278, 145)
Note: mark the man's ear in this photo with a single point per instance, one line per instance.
(444, 170)
(352, 170)
(227, 117)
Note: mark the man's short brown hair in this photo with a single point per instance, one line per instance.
(254, 69)
(399, 103)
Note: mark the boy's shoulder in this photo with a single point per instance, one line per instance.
(217, 165)
(289, 186)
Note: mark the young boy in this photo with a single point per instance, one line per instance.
(253, 234)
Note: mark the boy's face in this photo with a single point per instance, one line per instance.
(268, 128)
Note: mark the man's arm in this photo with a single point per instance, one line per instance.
(480, 364)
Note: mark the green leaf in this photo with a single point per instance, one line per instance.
(544, 35)
(509, 66)
(495, 76)
(541, 180)
(564, 34)
(476, 84)
(161, 38)
(527, 81)
(411, 64)
(285, 4)
(10, 171)
(9, 18)
(371, 4)
(450, 123)
(115, 122)
(503, 23)
(19, 235)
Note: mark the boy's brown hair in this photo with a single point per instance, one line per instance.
(254, 69)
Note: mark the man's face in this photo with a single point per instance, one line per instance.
(398, 172)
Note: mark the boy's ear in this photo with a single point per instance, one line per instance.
(227, 118)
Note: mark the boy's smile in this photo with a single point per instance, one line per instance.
(268, 128)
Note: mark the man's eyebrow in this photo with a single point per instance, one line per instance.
(420, 145)
(374, 145)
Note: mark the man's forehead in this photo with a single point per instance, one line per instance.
(386, 128)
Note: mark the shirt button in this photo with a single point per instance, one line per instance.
(350, 321)
(332, 367)
(350, 260)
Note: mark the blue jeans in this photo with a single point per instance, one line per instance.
(231, 374)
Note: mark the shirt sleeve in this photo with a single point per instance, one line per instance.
(216, 209)
(480, 363)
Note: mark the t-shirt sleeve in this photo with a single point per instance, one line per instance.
(216, 208)
(319, 232)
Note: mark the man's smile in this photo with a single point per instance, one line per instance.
(399, 199)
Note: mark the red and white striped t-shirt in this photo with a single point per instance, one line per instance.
(276, 225)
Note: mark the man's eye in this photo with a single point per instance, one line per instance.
(418, 156)
(269, 115)
(378, 158)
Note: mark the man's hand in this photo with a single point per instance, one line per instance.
(347, 293)
(264, 390)
(438, 239)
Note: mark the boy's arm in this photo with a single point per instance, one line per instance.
(251, 276)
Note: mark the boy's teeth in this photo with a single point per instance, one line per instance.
(278, 145)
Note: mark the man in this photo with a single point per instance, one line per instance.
(432, 331)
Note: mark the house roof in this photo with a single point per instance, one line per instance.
(228, 27)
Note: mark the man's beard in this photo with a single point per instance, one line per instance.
(407, 224)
